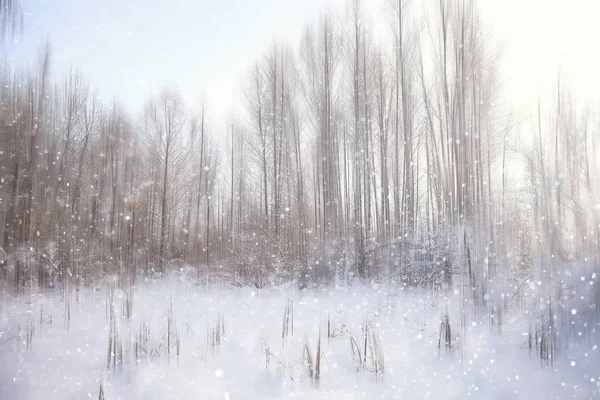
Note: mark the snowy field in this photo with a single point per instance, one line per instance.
(226, 343)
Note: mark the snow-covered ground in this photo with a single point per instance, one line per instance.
(44, 356)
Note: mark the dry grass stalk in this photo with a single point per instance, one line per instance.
(356, 354)
(115, 344)
(173, 336)
(142, 341)
(265, 349)
(101, 392)
(215, 334)
(28, 335)
(445, 336)
(306, 356)
(371, 356)
(127, 308)
(67, 304)
(288, 319)
(318, 360)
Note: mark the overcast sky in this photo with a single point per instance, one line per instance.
(129, 48)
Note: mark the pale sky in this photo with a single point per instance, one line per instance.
(130, 48)
(540, 36)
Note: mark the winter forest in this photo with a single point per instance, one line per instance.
(374, 219)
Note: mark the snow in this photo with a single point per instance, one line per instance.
(43, 357)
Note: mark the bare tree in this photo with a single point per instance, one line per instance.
(164, 128)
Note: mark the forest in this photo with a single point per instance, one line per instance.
(357, 160)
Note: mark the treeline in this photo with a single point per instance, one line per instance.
(392, 159)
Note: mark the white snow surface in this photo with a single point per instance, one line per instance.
(41, 359)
